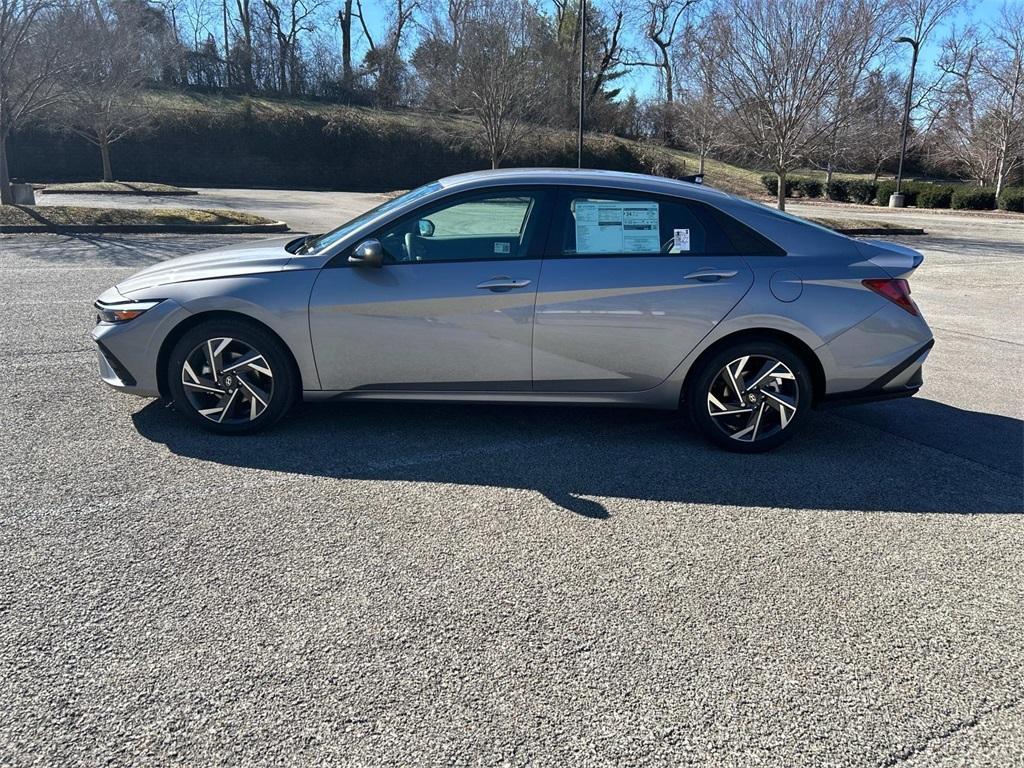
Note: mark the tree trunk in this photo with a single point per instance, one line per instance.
(227, 46)
(828, 181)
(345, 20)
(495, 159)
(666, 66)
(108, 174)
(6, 194)
(700, 169)
(1004, 149)
(782, 190)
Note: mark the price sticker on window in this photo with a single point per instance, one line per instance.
(680, 240)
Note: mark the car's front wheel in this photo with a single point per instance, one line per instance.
(231, 377)
(750, 396)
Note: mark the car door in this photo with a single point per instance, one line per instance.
(630, 284)
(451, 307)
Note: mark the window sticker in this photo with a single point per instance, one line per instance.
(617, 227)
(502, 248)
(680, 240)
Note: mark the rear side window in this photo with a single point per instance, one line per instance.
(745, 241)
(602, 223)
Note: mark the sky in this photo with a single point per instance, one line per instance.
(643, 80)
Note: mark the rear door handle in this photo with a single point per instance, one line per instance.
(498, 284)
(711, 275)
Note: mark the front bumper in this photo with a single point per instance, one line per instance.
(127, 352)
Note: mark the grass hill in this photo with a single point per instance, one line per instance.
(226, 140)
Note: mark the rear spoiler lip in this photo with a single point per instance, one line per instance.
(898, 260)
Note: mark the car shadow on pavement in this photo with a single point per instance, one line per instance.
(913, 455)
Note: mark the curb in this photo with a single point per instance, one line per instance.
(127, 193)
(882, 231)
(175, 229)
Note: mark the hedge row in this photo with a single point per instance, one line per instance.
(956, 196)
(917, 193)
(842, 190)
(1012, 199)
(853, 190)
(342, 149)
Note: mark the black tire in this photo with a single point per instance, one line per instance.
(780, 423)
(278, 390)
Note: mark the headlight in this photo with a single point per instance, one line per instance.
(123, 311)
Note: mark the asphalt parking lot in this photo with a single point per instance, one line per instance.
(423, 584)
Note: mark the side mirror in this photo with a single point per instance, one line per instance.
(426, 227)
(368, 253)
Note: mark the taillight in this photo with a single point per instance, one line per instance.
(896, 290)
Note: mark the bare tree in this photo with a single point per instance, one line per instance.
(876, 24)
(783, 62)
(1004, 67)
(495, 78)
(345, 25)
(919, 18)
(288, 20)
(440, 48)
(245, 47)
(103, 101)
(702, 113)
(874, 133)
(383, 60)
(33, 62)
(959, 118)
(979, 122)
(662, 21)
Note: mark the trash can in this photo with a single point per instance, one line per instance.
(23, 194)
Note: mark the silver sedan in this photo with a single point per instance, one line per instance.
(530, 286)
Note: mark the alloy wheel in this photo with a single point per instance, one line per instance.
(227, 381)
(753, 397)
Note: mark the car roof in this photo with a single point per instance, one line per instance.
(581, 177)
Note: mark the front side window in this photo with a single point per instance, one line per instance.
(484, 227)
(613, 224)
(324, 241)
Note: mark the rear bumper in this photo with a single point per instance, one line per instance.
(902, 380)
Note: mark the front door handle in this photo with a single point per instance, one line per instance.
(711, 275)
(503, 283)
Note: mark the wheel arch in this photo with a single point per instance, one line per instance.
(794, 343)
(199, 318)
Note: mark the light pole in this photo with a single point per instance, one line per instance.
(896, 200)
(583, 72)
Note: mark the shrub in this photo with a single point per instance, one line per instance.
(909, 189)
(1012, 199)
(935, 196)
(862, 190)
(808, 187)
(974, 199)
(839, 190)
(771, 183)
(886, 188)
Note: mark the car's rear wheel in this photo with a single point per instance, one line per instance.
(231, 377)
(750, 396)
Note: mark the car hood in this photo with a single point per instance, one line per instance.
(231, 261)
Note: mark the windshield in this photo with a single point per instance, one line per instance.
(330, 238)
